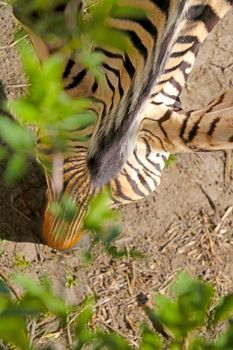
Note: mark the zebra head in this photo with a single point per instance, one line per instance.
(67, 205)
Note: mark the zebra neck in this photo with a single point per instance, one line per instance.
(116, 134)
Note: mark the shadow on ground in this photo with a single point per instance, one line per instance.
(22, 206)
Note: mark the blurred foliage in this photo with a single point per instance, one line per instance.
(71, 27)
(191, 311)
(180, 318)
(48, 108)
(54, 19)
(17, 147)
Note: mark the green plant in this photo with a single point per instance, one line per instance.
(190, 312)
(70, 279)
(14, 314)
(177, 321)
(21, 262)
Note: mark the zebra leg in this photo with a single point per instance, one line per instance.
(207, 129)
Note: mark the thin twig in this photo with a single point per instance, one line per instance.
(16, 86)
(70, 341)
(228, 165)
(108, 326)
(9, 285)
(57, 173)
(39, 251)
(223, 219)
(211, 202)
(18, 211)
(13, 43)
(133, 280)
(32, 332)
(130, 323)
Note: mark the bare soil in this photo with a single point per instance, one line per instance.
(186, 224)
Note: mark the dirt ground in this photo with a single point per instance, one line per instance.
(187, 224)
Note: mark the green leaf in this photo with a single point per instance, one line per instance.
(183, 283)
(79, 121)
(3, 153)
(225, 341)
(15, 136)
(26, 111)
(202, 344)
(127, 12)
(170, 315)
(194, 298)
(174, 345)
(99, 211)
(65, 209)
(150, 341)
(30, 62)
(13, 330)
(112, 38)
(16, 168)
(42, 18)
(223, 310)
(49, 300)
(4, 289)
(84, 335)
(5, 302)
(85, 315)
(195, 302)
(189, 310)
(111, 341)
(155, 319)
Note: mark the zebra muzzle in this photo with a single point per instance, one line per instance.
(60, 234)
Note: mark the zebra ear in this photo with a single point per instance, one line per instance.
(41, 47)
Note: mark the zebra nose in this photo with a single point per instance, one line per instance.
(57, 233)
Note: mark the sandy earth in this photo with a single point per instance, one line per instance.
(176, 228)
